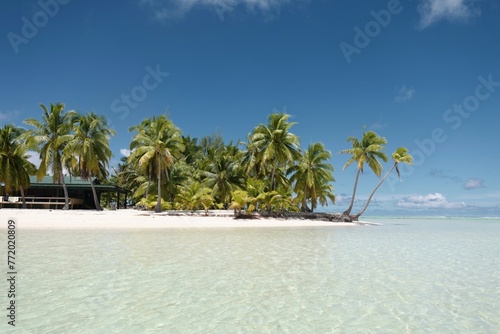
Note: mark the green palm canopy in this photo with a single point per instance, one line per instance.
(87, 151)
(15, 169)
(49, 137)
(276, 147)
(155, 147)
(312, 175)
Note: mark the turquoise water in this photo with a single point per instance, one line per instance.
(406, 276)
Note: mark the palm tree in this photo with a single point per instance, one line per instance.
(367, 150)
(49, 138)
(157, 145)
(194, 195)
(15, 169)
(148, 170)
(311, 176)
(88, 151)
(192, 151)
(254, 187)
(277, 146)
(248, 157)
(223, 174)
(401, 155)
(241, 199)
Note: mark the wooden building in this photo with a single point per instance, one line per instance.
(47, 194)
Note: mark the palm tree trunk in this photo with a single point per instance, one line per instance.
(149, 183)
(373, 192)
(349, 209)
(304, 201)
(66, 196)
(23, 197)
(158, 204)
(147, 188)
(272, 178)
(96, 201)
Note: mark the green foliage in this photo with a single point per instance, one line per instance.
(194, 196)
(270, 172)
(155, 148)
(15, 168)
(273, 148)
(87, 150)
(151, 203)
(49, 137)
(240, 200)
(311, 177)
(222, 173)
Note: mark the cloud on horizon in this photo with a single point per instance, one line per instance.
(474, 183)
(429, 201)
(432, 11)
(404, 94)
(175, 9)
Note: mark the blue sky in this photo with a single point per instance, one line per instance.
(424, 74)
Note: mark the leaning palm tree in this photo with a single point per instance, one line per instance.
(157, 145)
(401, 155)
(88, 151)
(15, 169)
(49, 138)
(367, 150)
(277, 147)
(311, 175)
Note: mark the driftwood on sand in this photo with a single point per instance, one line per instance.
(322, 216)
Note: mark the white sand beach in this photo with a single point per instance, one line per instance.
(134, 219)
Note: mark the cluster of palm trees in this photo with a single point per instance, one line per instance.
(65, 140)
(167, 170)
(270, 173)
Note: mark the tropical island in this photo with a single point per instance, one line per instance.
(268, 175)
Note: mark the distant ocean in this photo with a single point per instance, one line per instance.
(413, 275)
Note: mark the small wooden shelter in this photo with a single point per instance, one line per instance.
(47, 194)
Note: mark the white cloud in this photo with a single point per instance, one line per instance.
(172, 9)
(473, 184)
(404, 94)
(34, 158)
(429, 201)
(125, 152)
(432, 11)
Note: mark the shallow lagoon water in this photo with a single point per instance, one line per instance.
(405, 276)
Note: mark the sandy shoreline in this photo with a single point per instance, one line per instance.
(134, 219)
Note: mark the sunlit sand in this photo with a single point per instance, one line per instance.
(135, 219)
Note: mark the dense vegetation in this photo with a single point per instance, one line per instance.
(166, 170)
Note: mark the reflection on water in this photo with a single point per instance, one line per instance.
(407, 276)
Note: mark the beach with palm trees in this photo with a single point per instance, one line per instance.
(267, 176)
